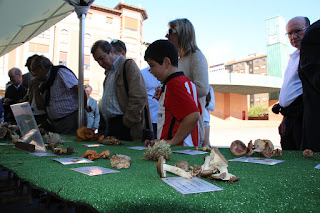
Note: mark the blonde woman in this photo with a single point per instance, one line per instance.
(191, 61)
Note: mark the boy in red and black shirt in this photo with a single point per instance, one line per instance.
(179, 109)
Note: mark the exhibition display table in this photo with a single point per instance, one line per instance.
(291, 186)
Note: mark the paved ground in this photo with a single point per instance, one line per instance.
(223, 132)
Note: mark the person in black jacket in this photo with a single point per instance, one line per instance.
(14, 94)
(309, 73)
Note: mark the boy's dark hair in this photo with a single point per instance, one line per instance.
(118, 46)
(105, 46)
(160, 49)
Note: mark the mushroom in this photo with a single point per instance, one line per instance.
(163, 168)
(120, 161)
(238, 148)
(307, 153)
(277, 152)
(105, 154)
(92, 155)
(219, 165)
(263, 147)
(183, 165)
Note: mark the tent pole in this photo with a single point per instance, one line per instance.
(81, 111)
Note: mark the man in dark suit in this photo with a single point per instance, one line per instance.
(309, 73)
(14, 94)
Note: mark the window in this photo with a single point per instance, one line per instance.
(264, 59)
(241, 71)
(257, 60)
(109, 20)
(263, 67)
(250, 62)
(131, 23)
(242, 64)
(236, 65)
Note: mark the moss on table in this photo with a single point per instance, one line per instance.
(291, 186)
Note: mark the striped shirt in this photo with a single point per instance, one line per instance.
(109, 103)
(63, 100)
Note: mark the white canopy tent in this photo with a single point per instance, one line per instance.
(22, 20)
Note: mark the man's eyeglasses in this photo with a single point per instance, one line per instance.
(171, 31)
(296, 31)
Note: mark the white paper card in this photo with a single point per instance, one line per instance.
(94, 170)
(317, 166)
(138, 147)
(3, 144)
(191, 152)
(190, 186)
(74, 160)
(265, 161)
(43, 154)
(92, 145)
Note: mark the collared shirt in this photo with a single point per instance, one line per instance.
(292, 86)
(109, 103)
(151, 84)
(17, 87)
(63, 100)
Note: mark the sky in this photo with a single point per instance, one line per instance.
(225, 29)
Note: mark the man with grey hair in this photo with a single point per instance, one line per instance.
(124, 97)
(290, 98)
(14, 94)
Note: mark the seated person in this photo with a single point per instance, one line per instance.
(179, 108)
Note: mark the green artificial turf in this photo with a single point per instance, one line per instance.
(291, 186)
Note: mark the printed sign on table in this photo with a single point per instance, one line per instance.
(265, 161)
(138, 147)
(74, 160)
(94, 170)
(190, 186)
(190, 152)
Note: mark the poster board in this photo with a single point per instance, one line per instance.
(28, 126)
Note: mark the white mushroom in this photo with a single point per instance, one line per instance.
(219, 165)
(264, 147)
(120, 161)
(163, 168)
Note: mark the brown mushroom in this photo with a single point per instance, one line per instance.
(105, 154)
(183, 165)
(308, 153)
(120, 161)
(238, 148)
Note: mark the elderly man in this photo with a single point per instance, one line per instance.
(309, 73)
(60, 87)
(93, 115)
(14, 94)
(124, 97)
(290, 98)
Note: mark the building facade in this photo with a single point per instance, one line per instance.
(60, 43)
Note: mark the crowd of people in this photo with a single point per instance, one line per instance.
(171, 98)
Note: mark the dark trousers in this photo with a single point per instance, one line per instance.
(154, 126)
(290, 129)
(117, 129)
(68, 125)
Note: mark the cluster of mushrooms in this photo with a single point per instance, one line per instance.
(117, 161)
(87, 134)
(215, 167)
(263, 147)
(7, 131)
